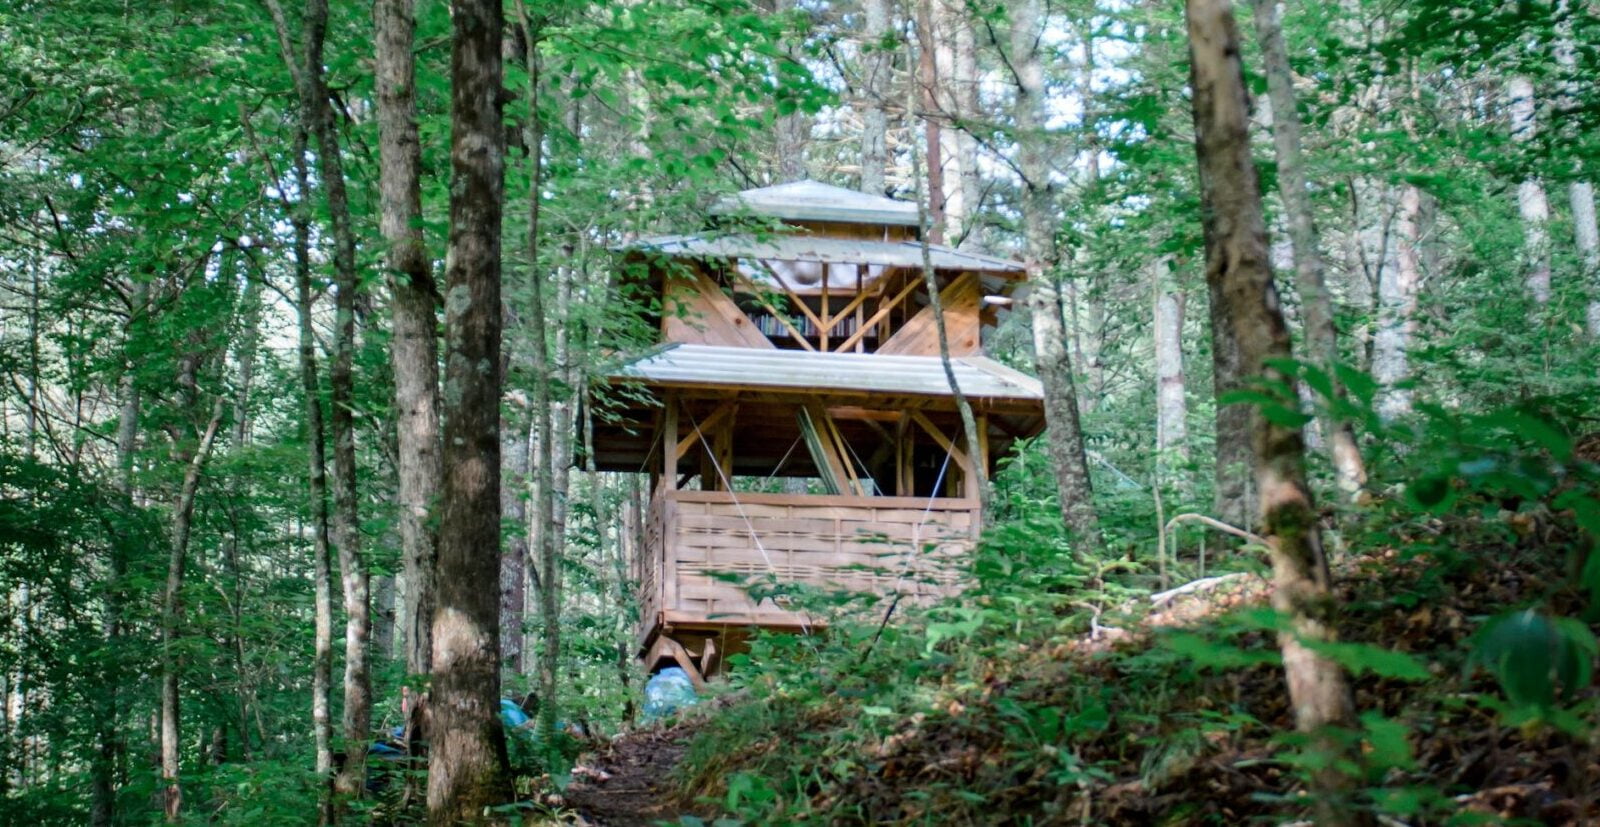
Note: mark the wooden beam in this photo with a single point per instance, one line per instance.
(837, 464)
(788, 292)
(669, 434)
(852, 307)
(883, 311)
(682, 447)
(944, 442)
(761, 299)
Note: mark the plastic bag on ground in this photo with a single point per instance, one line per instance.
(668, 692)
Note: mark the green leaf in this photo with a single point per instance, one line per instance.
(1365, 657)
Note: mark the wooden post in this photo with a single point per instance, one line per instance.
(827, 322)
(669, 443)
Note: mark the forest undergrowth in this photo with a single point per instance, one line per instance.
(1054, 693)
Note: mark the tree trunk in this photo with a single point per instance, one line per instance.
(978, 460)
(345, 527)
(962, 83)
(1398, 286)
(109, 745)
(241, 504)
(467, 768)
(874, 116)
(316, 477)
(1237, 267)
(514, 559)
(1172, 410)
(927, 102)
(794, 128)
(546, 573)
(1234, 492)
(1051, 357)
(193, 458)
(1321, 334)
(413, 348)
(1586, 234)
(1532, 202)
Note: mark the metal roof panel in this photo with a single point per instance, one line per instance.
(686, 364)
(823, 249)
(815, 201)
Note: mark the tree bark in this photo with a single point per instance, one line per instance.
(1532, 203)
(1398, 287)
(1172, 410)
(1237, 267)
(1053, 361)
(928, 101)
(193, 458)
(1586, 235)
(514, 559)
(413, 348)
(794, 128)
(874, 115)
(345, 526)
(969, 421)
(109, 744)
(546, 572)
(1321, 334)
(467, 768)
(316, 477)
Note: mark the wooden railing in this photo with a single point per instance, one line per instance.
(697, 540)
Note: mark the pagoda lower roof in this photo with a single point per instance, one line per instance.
(824, 249)
(708, 367)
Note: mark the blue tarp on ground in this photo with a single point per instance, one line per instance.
(668, 692)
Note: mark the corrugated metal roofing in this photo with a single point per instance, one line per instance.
(827, 250)
(686, 364)
(816, 201)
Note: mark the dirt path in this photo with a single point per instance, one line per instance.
(633, 791)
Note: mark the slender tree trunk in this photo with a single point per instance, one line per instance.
(547, 574)
(413, 348)
(1172, 410)
(794, 128)
(874, 116)
(927, 102)
(1236, 263)
(345, 526)
(194, 458)
(316, 479)
(1321, 334)
(1234, 492)
(109, 745)
(1398, 287)
(1068, 459)
(240, 506)
(961, 87)
(1586, 234)
(969, 421)
(467, 767)
(513, 561)
(1532, 202)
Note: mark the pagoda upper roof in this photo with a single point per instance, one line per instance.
(823, 249)
(815, 201)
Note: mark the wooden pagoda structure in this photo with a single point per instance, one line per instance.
(796, 420)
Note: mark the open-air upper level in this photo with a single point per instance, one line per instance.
(806, 266)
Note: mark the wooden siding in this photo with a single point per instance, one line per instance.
(696, 311)
(961, 303)
(879, 545)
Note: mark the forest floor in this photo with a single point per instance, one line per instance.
(625, 782)
(1154, 740)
